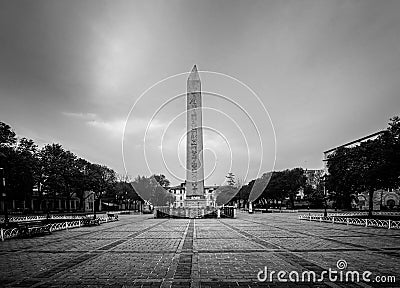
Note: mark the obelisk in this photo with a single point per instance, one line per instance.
(194, 143)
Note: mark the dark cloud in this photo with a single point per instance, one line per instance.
(326, 70)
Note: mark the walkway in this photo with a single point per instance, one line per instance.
(139, 251)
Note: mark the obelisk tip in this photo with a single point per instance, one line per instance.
(194, 74)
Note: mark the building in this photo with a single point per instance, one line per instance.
(349, 145)
(179, 192)
(89, 201)
(383, 199)
(41, 202)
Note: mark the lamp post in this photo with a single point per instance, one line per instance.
(94, 205)
(126, 200)
(325, 204)
(4, 195)
(47, 205)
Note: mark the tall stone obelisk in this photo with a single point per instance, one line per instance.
(194, 142)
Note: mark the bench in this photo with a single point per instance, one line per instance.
(33, 228)
(88, 221)
(112, 217)
(262, 210)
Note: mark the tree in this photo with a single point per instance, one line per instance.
(390, 143)
(276, 186)
(230, 179)
(62, 174)
(153, 189)
(123, 191)
(368, 162)
(225, 193)
(315, 195)
(160, 194)
(259, 189)
(144, 187)
(18, 161)
(244, 192)
(275, 191)
(294, 179)
(101, 181)
(26, 164)
(57, 172)
(342, 179)
(161, 197)
(239, 182)
(69, 173)
(81, 180)
(372, 165)
(8, 158)
(162, 180)
(7, 135)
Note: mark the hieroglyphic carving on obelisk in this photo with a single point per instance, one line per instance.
(194, 143)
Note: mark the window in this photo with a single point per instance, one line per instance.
(391, 203)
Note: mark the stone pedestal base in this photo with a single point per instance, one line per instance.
(195, 207)
(195, 212)
(195, 203)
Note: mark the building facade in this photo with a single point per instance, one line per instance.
(383, 200)
(388, 199)
(179, 193)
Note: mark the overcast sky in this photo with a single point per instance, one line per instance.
(326, 71)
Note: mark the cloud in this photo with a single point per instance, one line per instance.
(135, 126)
(84, 116)
(115, 126)
(139, 126)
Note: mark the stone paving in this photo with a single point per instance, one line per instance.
(139, 251)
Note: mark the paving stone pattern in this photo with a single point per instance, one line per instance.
(139, 251)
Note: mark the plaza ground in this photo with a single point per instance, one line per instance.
(139, 251)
